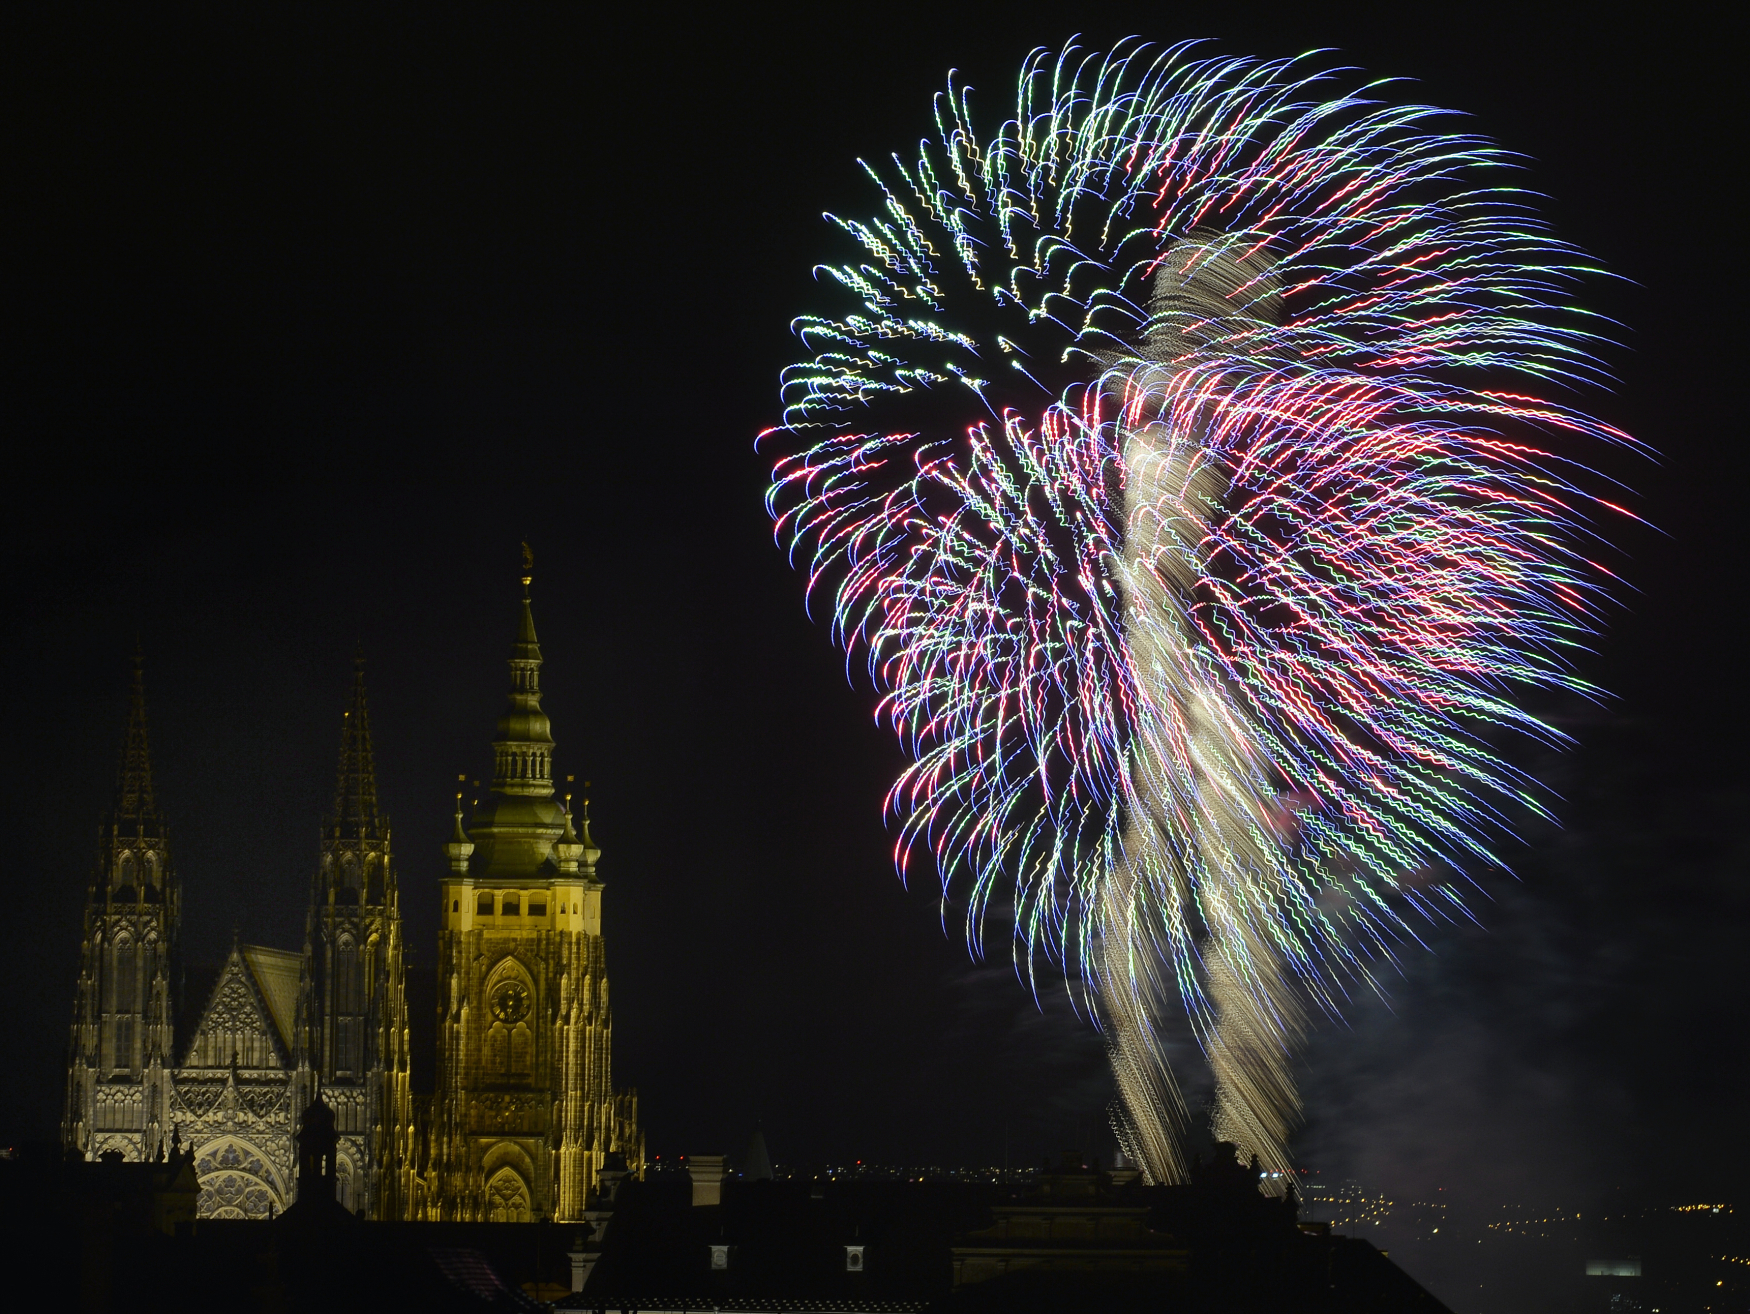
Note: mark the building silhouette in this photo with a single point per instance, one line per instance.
(231, 1060)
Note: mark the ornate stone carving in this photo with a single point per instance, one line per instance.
(236, 1182)
(195, 1098)
(504, 1112)
(263, 1101)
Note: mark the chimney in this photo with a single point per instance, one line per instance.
(583, 1261)
(706, 1171)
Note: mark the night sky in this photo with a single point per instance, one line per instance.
(315, 318)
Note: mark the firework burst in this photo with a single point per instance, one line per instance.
(1183, 461)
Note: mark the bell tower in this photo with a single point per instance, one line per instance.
(119, 1060)
(526, 1113)
(352, 1031)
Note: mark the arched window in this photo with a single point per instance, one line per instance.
(498, 1050)
(124, 1044)
(122, 980)
(522, 1051)
(374, 882)
(513, 906)
(507, 1198)
(483, 906)
(349, 978)
(125, 870)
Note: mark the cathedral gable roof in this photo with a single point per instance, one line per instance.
(276, 974)
(240, 1015)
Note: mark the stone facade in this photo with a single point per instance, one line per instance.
(236, 1094)
(352, 1003)
(120, 1059)
(274, 1028)
(525, 1115)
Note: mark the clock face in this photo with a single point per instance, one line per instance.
(510, 1002)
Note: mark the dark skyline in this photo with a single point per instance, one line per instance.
(318, 318)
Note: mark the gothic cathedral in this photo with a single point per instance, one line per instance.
(525, 1110)
(524, 1115)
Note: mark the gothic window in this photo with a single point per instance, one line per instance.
(236, 1182)
(150, 894)
(124, 1043)
(507, 1198)
(349, 979)
(374, 882)
(513, 905)
(498, 1050)
(349, 871)
(483, 907)
(127, 870)
(121, 999)
(522, 1051)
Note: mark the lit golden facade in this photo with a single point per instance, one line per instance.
(525, 1113)
(524, 1116)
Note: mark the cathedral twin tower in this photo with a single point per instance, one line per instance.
(224, 1063)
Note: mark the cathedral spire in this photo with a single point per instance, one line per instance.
(136, 808)
(355, 814)
(523, 752)
(515, 827)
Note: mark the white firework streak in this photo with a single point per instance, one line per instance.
(1159, 465)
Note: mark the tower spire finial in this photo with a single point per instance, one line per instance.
(136, 807)
(460, 848)
(355, 813)
(523, 751)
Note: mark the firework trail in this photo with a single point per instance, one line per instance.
(1182, 466)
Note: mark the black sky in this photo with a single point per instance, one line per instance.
(315, 316)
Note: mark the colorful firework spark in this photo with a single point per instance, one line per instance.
(1184, 465)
